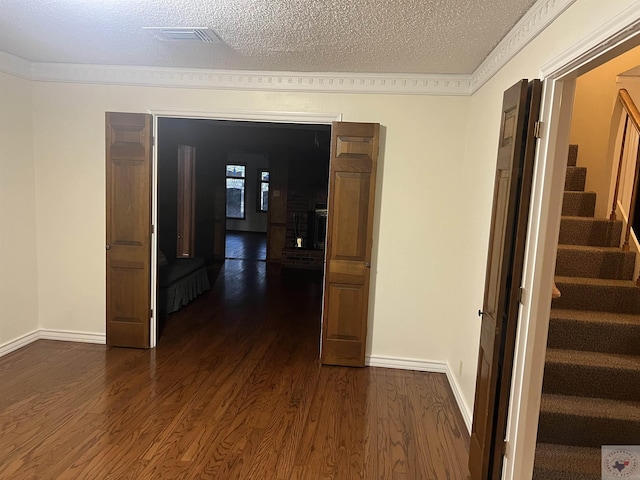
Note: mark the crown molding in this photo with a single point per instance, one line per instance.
(532, 23)
(254, 80)
(16, 66)
(529, 27)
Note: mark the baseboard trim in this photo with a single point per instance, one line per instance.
(46, 334)
(405, 364)
(71, 336)
(19, 342)
(425, 366)
(467, 413)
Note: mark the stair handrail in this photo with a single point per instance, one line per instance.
(632, 114)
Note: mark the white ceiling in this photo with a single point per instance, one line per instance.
(376, 36)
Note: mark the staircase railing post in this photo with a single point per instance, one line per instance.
(632, 207)
(614, 207)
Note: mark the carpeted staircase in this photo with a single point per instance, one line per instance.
(591, 389)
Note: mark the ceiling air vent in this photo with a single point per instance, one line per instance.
(184, 34)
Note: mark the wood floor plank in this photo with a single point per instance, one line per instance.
(234, 390)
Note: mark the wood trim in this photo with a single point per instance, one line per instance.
(630, 107)
(186, 201)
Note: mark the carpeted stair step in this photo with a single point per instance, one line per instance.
(588, 422)
(576, 179)
(594, 331)
(621, 296)
(566, 462)
(596, 232)
(592, 374)
(572, 158)
(579, 204)
(595, 262)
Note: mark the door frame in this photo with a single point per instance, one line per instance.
(615, 37)
(304, 118)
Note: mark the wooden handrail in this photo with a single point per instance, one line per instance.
(632, 115)
(630, 107)
(614, 207)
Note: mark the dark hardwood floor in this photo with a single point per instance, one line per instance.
(246, 245)
(234, 390)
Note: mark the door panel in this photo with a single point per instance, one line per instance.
(277, 211)
(349, 235)
(354, 156)
(516, 148)
(220, 216)
(186, 201)
(128, 212)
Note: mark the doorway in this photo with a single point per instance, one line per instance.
(132, 214)
(237, 164)
(560, 79)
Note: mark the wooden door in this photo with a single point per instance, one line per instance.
(499, 313)
(128, 211)
(220, 217)
(277, 211)
(186, 201)
(352, 181)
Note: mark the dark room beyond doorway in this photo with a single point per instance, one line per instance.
(278, 187)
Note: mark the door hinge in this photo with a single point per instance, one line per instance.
(153, 141)
(504, 448)
(537, 129)
(151, 313)
(153, 229)
(521, 293)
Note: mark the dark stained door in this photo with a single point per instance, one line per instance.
(352, 180)
(220, 217)
(128, 211)
(186, 201)
(499, 313)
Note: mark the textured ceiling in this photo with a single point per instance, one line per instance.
(376, 36)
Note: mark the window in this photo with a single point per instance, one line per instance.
(263, 190)
(236, 177)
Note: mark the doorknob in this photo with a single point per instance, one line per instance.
(108, 247)
(367, 264)
(480, 313)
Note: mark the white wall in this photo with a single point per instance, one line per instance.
(19, 275)
(596, 93)
(416, 272)
(254, 221)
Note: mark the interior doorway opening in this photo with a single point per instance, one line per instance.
(256, 192)
(559, 76)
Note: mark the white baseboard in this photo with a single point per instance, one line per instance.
(467, 413)
(70, 336)
(19, 342)
(45, 334)
(425, 366)
(406, 364)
